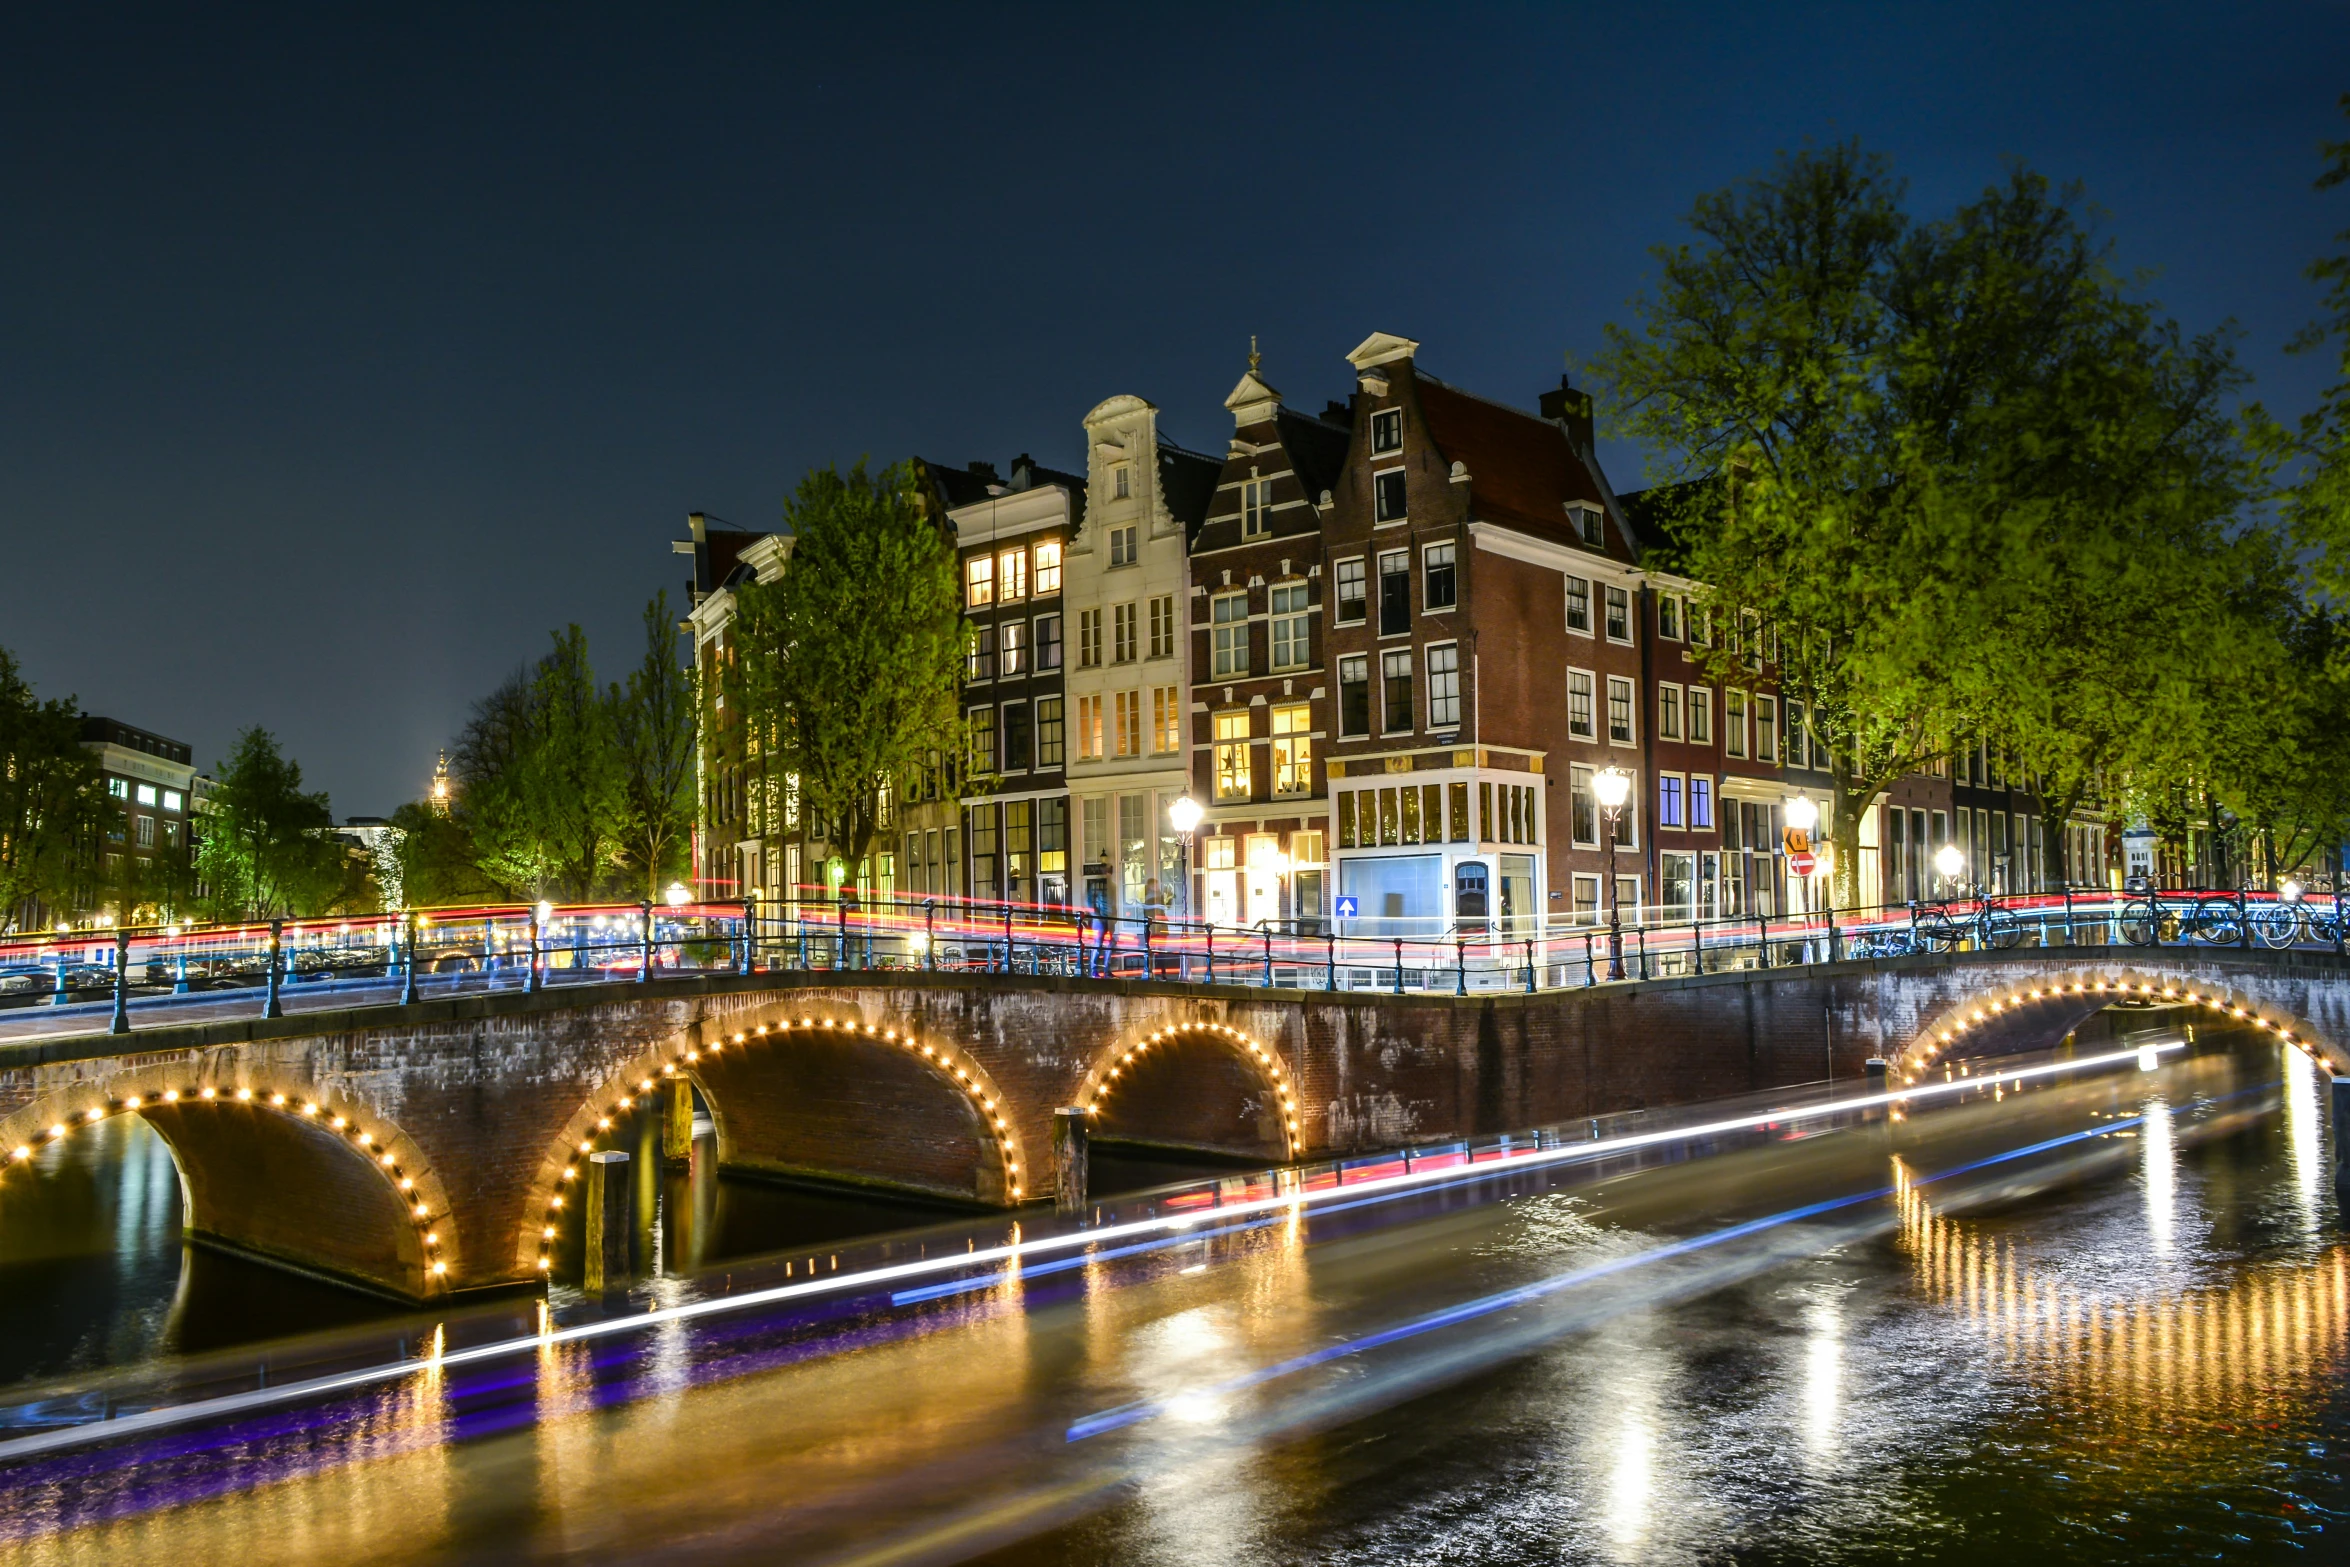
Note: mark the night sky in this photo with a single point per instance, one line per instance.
(341, 359)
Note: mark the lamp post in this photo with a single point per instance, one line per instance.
(1802, 816)
(1612, 787)
(1948, 862)
(1184, 816)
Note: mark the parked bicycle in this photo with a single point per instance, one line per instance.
(1991, 924)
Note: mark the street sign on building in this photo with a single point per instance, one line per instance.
(1800, 864)
(1346, 908)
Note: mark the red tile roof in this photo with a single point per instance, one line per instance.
(1521, 470)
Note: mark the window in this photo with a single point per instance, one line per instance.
(1121, 481)
(983, 865)
(1444, 687)
(1354, 695)
(119, 788)
(1386, 431)
(982, 730)
(1017, 736)
(1439, 590)
(146, 794)
(1619, 710)
(1129, 726)
(1668, 800)
(1166, 719)
(1395, 592)
(1256, 507)
(1698, 622)
(1701, 716)
(1163, 626)
(1797, 748)
(1619, 615)
(1014, 647)
(1668, 616)
(1396, 674)
(1292, 644)
(1387, 495)
(979, 581)
(1701, 801)
(1089, 639)
(1579, 605)
(1089, 728)
(1229, 613)
(171, 834)
(1293, 750)
(1579, 690)
(1048, 641)
(1668, 712)
(979, 654)
(146, 832)
(1766, 729)
(1049, 741)
(1587, 523)
(171, 799)
(1583, 808)
(1346, 820)
(1048, 567)
(1350, 591)
(1011, 574)
(1123, 549)
(1457, 797)
(1232, 781)
(1122, 633)
(1734, 722)
(1052, 837)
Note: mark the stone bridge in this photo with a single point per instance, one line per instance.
(434, 1148)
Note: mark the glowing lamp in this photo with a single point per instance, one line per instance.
(1949, 860)
(1801, 813)
(675, 895)
(1185, 814)
(1611, 787)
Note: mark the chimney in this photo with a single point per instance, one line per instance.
(984, 470)
(1339, 414)
(1023, 472)
(1571, 409)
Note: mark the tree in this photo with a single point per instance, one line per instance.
(440, 860)
(2317, 505)
(52, 801)
(845, 670)
(267, 847)
(574, 773)
(1913, 460)
(653, 731)
(494, 807)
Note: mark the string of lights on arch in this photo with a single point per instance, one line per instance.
(1106, 1078)
(965, 1072)
(376, 1147)
(2122, 990)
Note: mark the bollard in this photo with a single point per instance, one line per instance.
(1072, 1135)
(611, 1201)
(408, 958)
(122, 983)
(1877, 1071)
(271, 1007)
(645, 973)
(2342, 1132)
(748, 957)
(677, 1121)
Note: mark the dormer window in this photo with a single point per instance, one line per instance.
(1256, 506)
(1386, 431)
(1121, 482)
(1587, 523)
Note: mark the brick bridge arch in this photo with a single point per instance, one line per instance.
(274, 1169)
(1142, 1086)
(2034, 1003)
(882, 1105)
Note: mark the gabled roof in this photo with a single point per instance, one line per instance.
(1652, 513)
(1521, 469)
(1317, 450)
(1187, 482)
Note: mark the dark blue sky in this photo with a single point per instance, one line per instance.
(340, 359)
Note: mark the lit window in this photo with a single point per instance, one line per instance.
(1668, 800)
(979, 580)
(172, 800)
(1089, 728)
(146, 832)
(1291, 638)
(1230, 614)
(1013, 647)
(1387, 431)
(119, 788)
(1701, 801)
(1129, 715)
(1232, 779)
(1048, 567)
(146, 794)
(1293, 750)
(979, 659)
(1012, 575)
(1166, 719)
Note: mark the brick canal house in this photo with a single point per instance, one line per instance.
(1262, 708)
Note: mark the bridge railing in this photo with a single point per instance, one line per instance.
(432, 952)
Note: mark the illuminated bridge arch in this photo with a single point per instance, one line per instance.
(283, 1171)
(1145, 1073)
(705, 1064)
(2031, 1013)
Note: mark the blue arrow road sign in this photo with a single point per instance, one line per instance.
(1346, 908)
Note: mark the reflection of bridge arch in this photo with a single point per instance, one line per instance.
(2029, 1014)
(286, 1172)
(682, 1058)
(1116, 1068)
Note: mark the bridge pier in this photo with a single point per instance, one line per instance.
(2341, 1109)
(677, 1121)
(611, 1220)
(1072, 1142)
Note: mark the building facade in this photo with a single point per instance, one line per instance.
(147, 856)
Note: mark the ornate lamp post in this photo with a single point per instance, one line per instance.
(1948, 862)
(1612, 787)
(1802, 816)
(1184, 816)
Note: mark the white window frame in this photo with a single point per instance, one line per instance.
(1592, 688)
(1609, 593)
(1382, 419)
(1362, 566)
(1701, 706)
(1668, 711)
(1452, 561)
(1631, 689)
(1679, 783)
(1228, 639)
(1437, 725)
(1162, 618)
(1567, 606)
(1126, 542)
(1297, 618)
(1386, 664)
(1377, 478)
(1734, 744)
(1363, 661)
(1256, 507)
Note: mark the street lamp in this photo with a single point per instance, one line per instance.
(1949, 861)
(1611, 788)
(675, 895)
(1801, 815)
(1184, 816)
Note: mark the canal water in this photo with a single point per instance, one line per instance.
(2104, 1321)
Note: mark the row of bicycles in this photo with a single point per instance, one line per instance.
(2142, 919)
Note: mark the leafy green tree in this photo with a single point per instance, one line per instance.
(844, 670)
(574, 770)
(267, 846)
(440, 860)
(494, 764)
(1918, 454)
(653, 731)
(2317, 504)
(52, 801)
